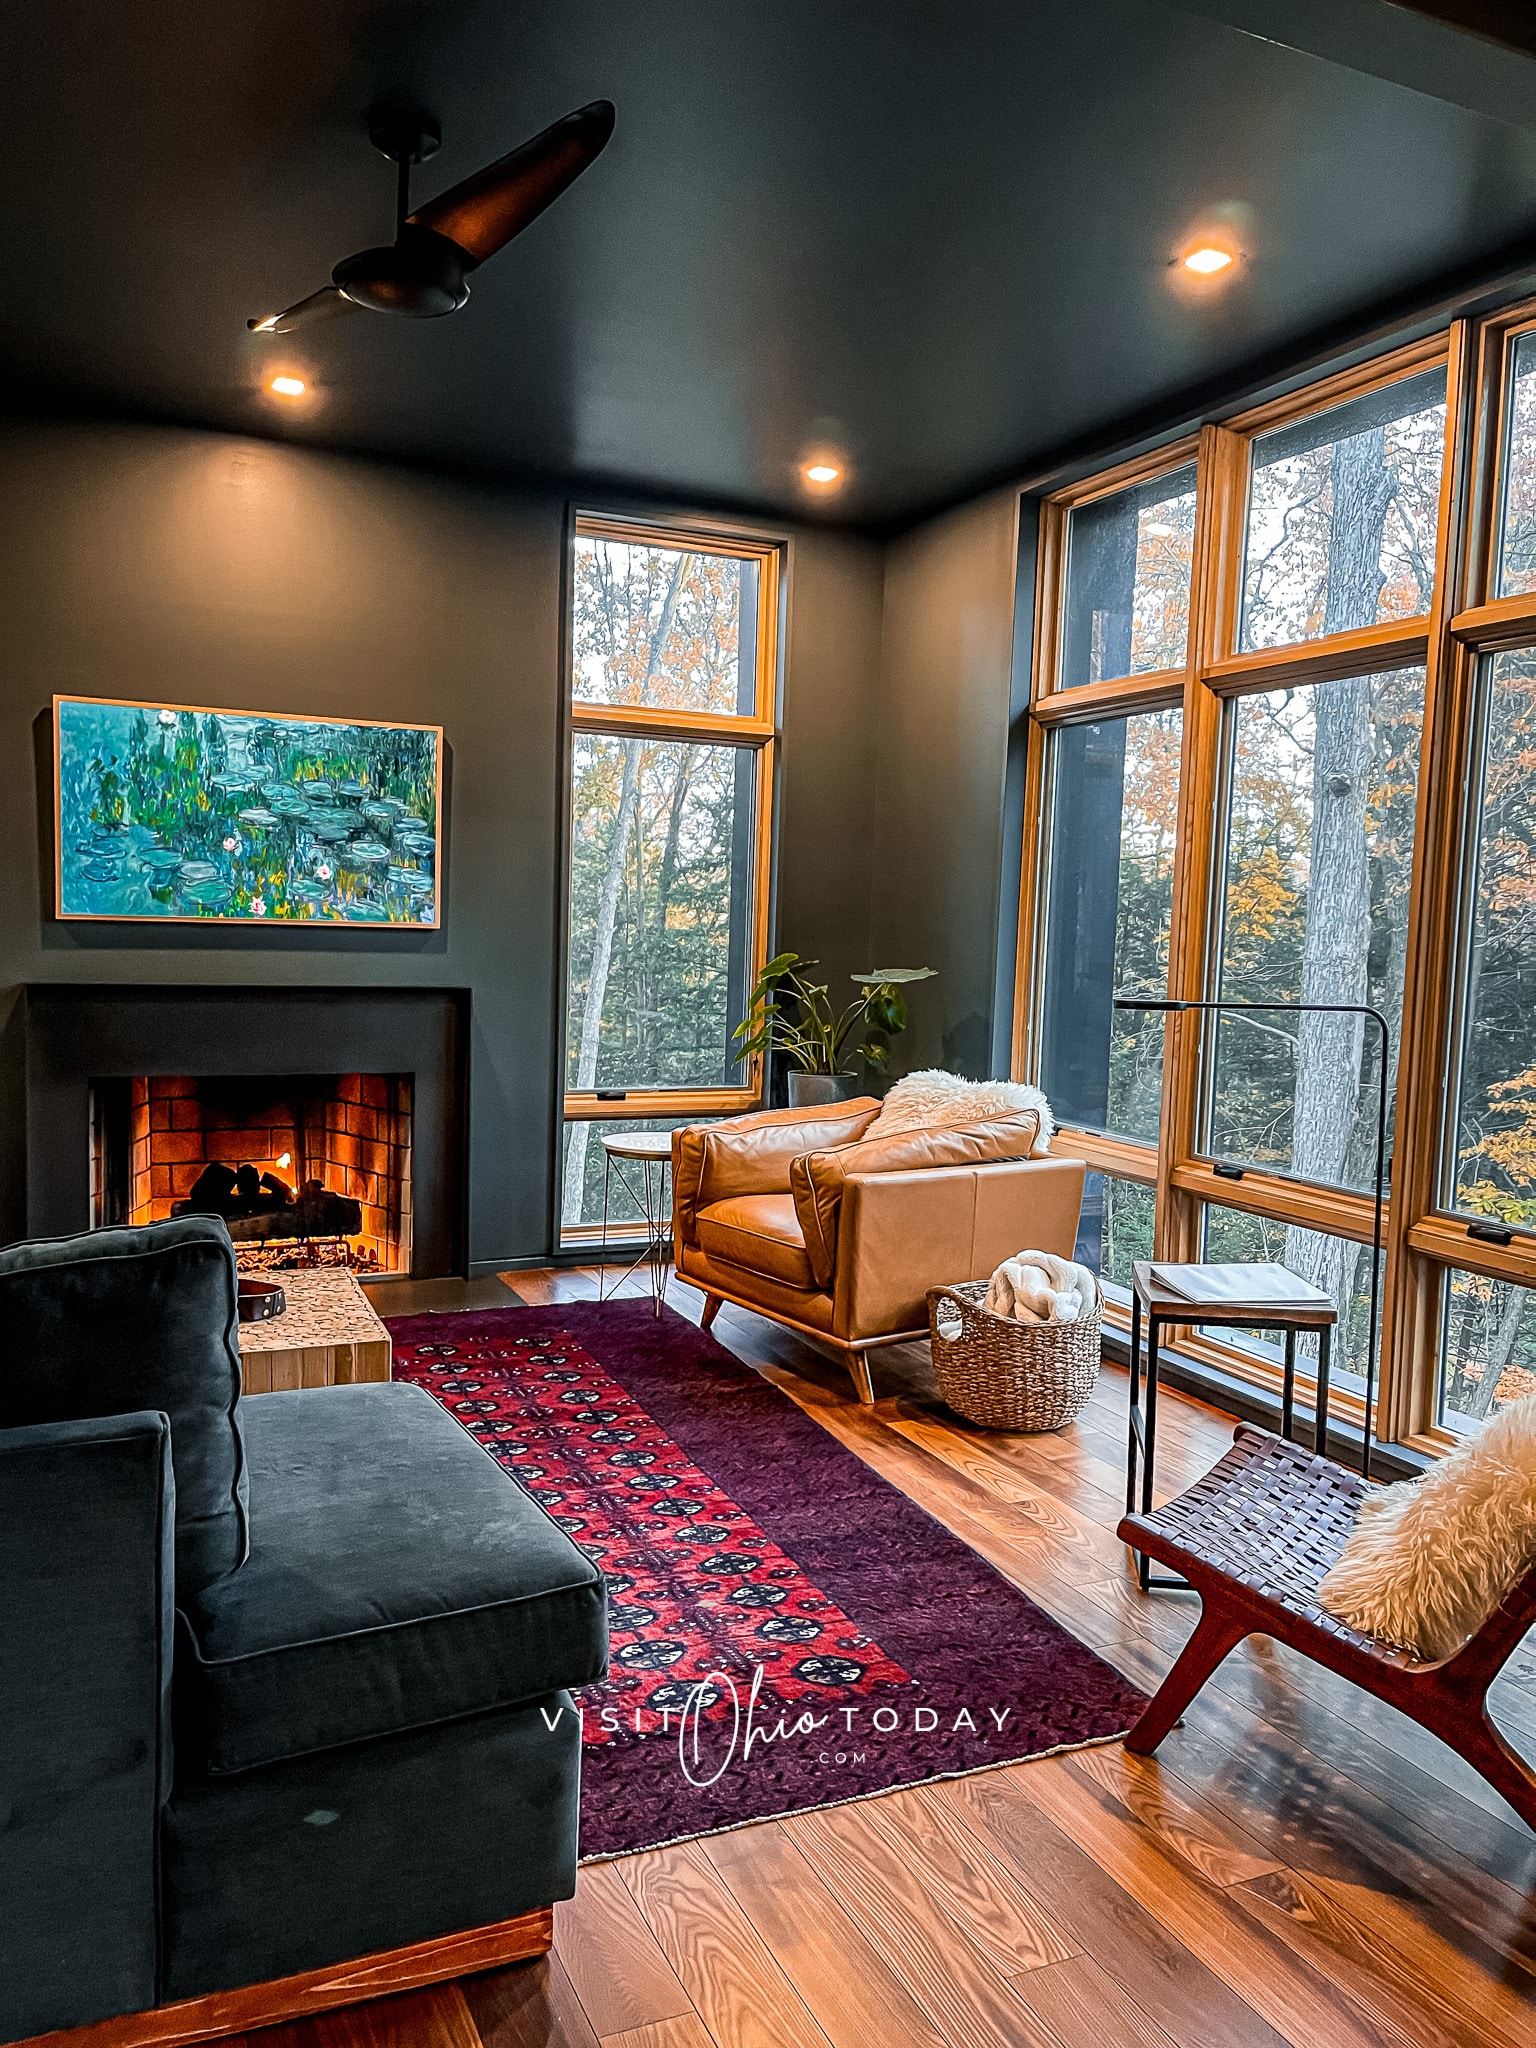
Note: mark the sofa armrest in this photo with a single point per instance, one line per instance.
(87, 1520)
(751, 1155)
(902, 1233)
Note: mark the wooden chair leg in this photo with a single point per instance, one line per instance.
(858, 1365)
(712, 1304)
(1215, 1637)
(1485, 1749)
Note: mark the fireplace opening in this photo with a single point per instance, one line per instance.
(305, 1169)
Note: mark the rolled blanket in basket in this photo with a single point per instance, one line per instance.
(1040, 1287)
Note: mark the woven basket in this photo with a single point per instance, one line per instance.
(1008, 1375)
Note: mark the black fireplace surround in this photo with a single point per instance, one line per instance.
(73, 1033)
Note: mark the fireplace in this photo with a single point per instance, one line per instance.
(134, 1100)
(305, 1169)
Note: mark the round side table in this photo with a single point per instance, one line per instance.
(651, 1153)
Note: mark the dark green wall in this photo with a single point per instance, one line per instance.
(946, 845)
(206, 569)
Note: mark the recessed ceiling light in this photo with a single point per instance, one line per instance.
(821, 473)
(283, 386)
(1206, 261)
(1158, 530)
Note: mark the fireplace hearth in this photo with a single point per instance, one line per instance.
(305, 1169)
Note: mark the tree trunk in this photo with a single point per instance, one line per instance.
(607, 913)
(652, 980)
(1500, 1351)
(1335, 953)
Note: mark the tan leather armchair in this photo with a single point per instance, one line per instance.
(794, 1213)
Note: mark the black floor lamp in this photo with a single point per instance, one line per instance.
(1338, 1010)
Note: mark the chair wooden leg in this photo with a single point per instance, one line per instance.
(1480, 1742)
(1215, 1637)
(711, 1309)
(858, 1365)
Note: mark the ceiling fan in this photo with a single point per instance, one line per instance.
(422, 273)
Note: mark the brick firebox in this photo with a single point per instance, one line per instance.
(351, 1132)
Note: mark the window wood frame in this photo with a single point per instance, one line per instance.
(1464, 624)
(757, 731)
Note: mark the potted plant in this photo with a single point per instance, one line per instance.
(812, 1035)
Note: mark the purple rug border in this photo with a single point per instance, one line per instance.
(932, 1602)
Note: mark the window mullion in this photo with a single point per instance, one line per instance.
(1219, 505)
(1411, 1283)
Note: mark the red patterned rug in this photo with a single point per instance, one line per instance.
(788, 1631)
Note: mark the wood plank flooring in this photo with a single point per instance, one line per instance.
(1298, 1865)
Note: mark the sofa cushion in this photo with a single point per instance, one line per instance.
(123, 1320)
(750, 1155)
(760, 1232)
(817, 1180)
(398, 1577)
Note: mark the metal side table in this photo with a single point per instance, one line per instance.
(651, 1153)
(1165, 1309)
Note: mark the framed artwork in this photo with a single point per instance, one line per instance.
(176, 812)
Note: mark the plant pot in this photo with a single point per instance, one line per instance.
(809, 1091)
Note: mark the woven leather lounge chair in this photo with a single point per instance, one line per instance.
(1254, 1538)
(793, 1213)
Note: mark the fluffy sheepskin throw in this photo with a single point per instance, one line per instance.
(1429, 1559)
(933, 1101)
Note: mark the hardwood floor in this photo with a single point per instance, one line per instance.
(1298, 1865)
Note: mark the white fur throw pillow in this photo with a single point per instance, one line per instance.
(933, 1100)
(1429, 1559)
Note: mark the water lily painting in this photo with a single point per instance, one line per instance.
(237, 816)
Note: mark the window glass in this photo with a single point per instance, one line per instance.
(1487, 1349)
(1114, 807)
(1128, 570)
(583, 1172)
(1517, 541)
(660, 909)
(1495, 1161)
(1342, 515)
(1336, 1263)
(1316, 876)
(1115, 1230)
(663, 627)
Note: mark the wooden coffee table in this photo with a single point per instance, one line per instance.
(329, 1337)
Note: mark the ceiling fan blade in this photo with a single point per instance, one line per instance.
(321, 305)
(483, 213)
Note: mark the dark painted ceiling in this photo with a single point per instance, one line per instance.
(937, 235)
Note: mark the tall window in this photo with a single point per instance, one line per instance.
(1494, 1156)
(1114, 795)
(1317, 868)
(673, 641)
(1341, 651)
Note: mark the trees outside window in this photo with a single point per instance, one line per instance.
(1342, 515)
(1487, 1349)
(1114, 808)
(672, 671)
(1128, 578)
(1495, 1144)
(1355, 824)
(1319, 854)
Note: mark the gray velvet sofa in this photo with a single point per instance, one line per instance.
(283, 1681)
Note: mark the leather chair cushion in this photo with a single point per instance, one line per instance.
(398, 1578)
(817, 1179)
(751, 1155)
(755, 1290)
(760, 1233)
